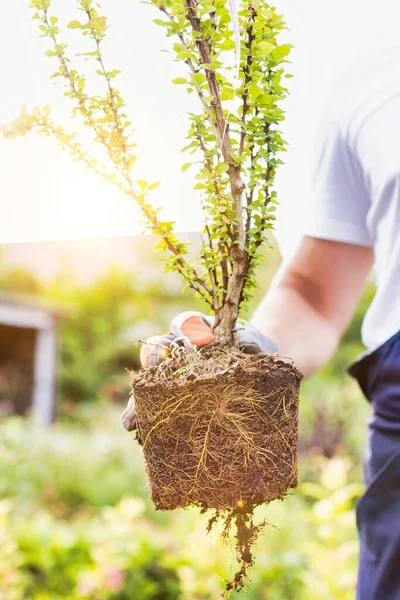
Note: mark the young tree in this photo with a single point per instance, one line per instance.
(236, 69)
(219, 429)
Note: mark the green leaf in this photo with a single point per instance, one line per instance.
(161, 23)
(176, 8)
(221, 168)
(227, 93)
(266, 100)
(227, 44)
(265, 48)
(281, 51)
(179, 81)
(255, 91)
(266, 13)
(198, 78)
(185, 167)
(74, 25)
(114, 73)
(98, 24)
(184, 54)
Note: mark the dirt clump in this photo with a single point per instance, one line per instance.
(218, 430)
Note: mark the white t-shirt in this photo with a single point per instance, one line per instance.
(356, 184)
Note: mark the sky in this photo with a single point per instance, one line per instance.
(46, 196)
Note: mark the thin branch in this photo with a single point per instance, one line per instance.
(193, 70)
(249, 198)
(212, 271)
(187, 271)
(114, 108)
(234, 170)
(225, 270)
(209, 166)
(268, 172)
(80, 97)
(67, 141)
(223, 250)
(247, 79)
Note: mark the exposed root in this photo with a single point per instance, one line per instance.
(219, 430)
(239, 523)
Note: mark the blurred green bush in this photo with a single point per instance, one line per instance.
(75, 516)
(76, 522)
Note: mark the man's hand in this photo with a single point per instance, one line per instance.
(128, 417)
(193, 329)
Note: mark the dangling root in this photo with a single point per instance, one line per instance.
(239, 522)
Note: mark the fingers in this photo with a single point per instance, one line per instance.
(155, 350)
(128, 417)
(190, 327)
(195, 326)
(252, 341)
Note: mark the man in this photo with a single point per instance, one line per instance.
(355, 223)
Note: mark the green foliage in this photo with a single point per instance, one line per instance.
(96, 347)
(100, 322)
(92, 345)
(104, 115)
(76, 522)
(93, 559)
(234, 134)
(75, 516)
(19, 280)
(69, 468)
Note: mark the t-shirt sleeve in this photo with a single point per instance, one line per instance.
(339, 201)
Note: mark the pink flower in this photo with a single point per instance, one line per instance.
(115, 579)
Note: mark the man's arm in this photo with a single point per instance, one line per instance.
(312, 300)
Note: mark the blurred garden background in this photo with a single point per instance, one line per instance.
(75, 516)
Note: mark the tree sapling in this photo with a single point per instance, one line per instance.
(218, 427)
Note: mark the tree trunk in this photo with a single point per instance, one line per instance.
(230, 310)
(224, 330)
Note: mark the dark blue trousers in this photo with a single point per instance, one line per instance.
(378, 511)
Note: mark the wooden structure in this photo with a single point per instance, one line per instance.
(28, 356)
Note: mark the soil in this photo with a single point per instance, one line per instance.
(219, 430)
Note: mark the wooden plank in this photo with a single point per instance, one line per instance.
(18, 316)
(45, 376)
